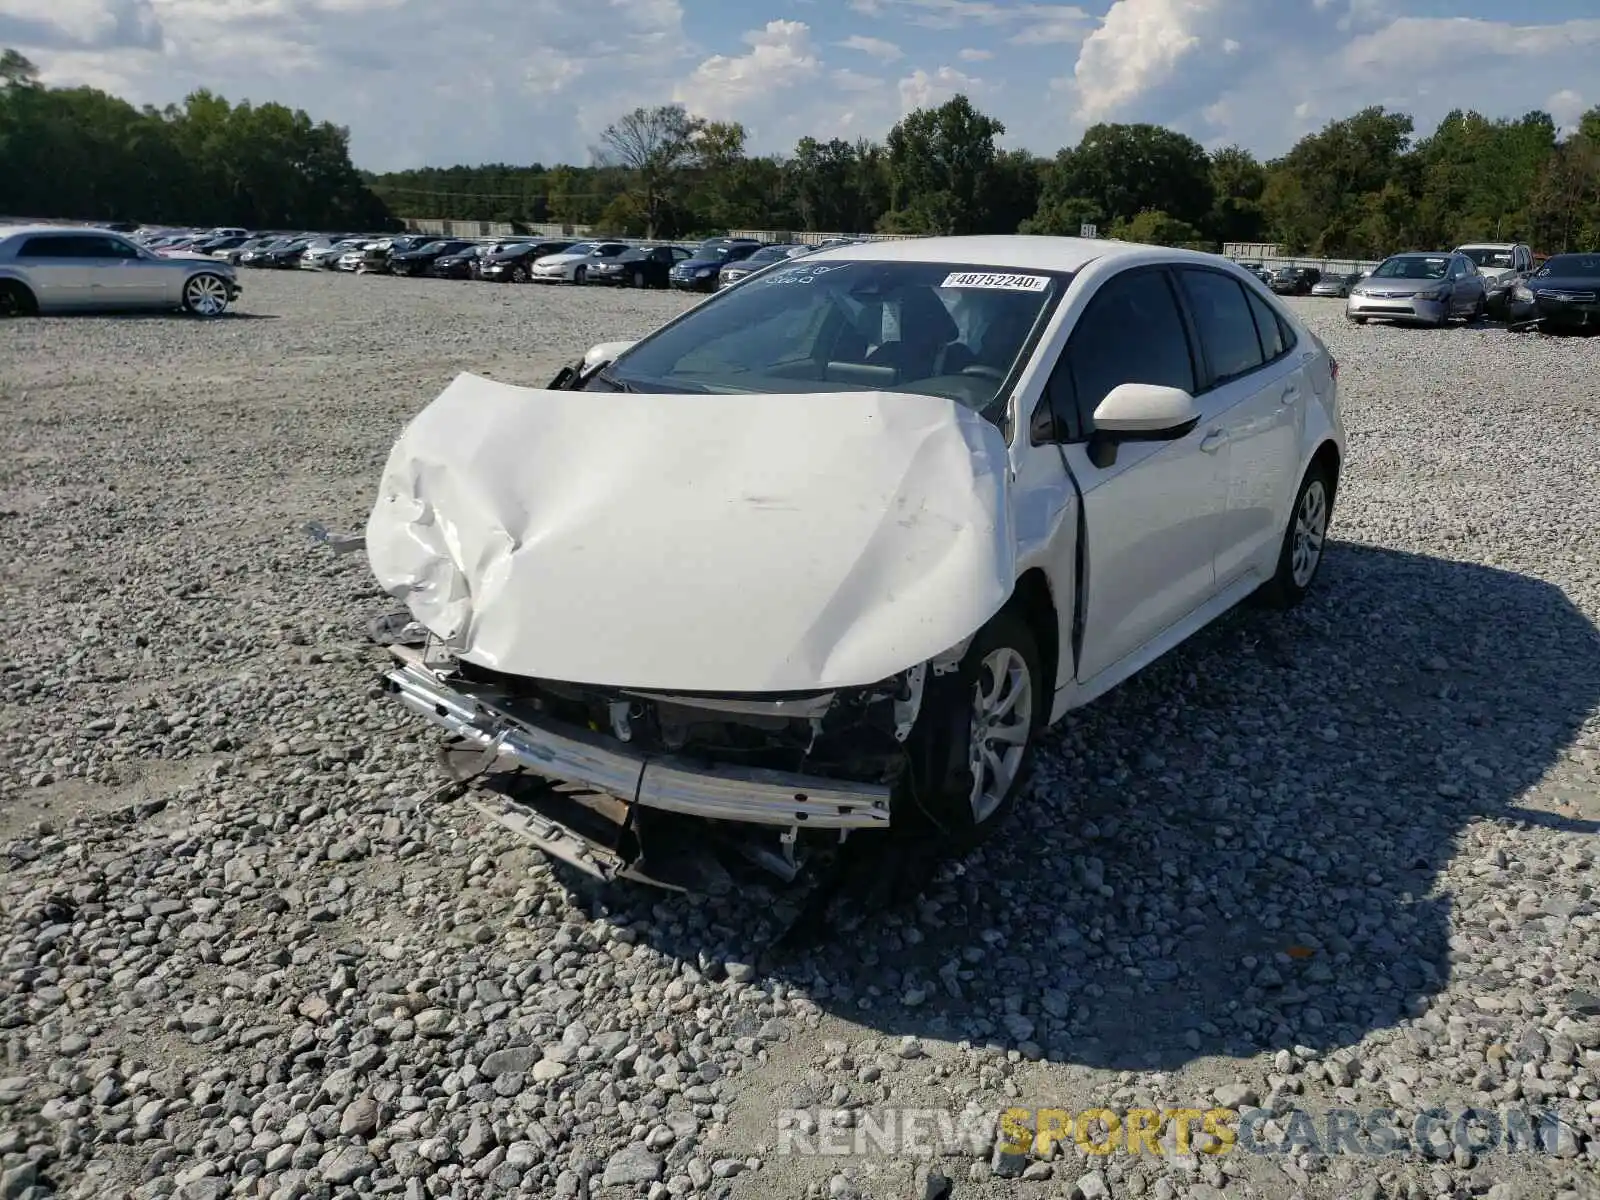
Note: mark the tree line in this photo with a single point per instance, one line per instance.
(79, 153)
(1360, 187)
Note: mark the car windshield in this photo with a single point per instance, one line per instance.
(1483, 256)
(581, 248)
(937, 329)
(1413, 267)
(1571, 264)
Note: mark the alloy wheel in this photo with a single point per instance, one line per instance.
(1002, 722)
(1310, 530)
(205, 295)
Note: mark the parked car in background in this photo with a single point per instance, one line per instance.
(46, 269)
(699, 273)
(459, 264)
(1503, 265)
(981, 487)
(1294, 281)
(1336, 285)
(262, 255)
(234, 253)
(773, 252)
(1422, 287)
(326, 257)
(514, 263)
(1564, 293)
(285, 256)
(420, 259)
(572, 264)
(642, 266)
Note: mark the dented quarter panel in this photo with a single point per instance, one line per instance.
(727, 543)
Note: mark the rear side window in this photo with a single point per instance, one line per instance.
(1268, 326)
(1222, 319)
(1130, 332)
(48, 247)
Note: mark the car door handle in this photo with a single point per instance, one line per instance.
(1213, 441)
(1290, 394)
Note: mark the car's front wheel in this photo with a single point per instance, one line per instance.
(580, 276)
(976, 734)
(1300, 554)
(205, 296)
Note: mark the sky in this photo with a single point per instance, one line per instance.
(439, 82)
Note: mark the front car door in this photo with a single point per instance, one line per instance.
(122, 277)
(1253, 376)
(1151, 517)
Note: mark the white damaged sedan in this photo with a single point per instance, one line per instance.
(824, 554)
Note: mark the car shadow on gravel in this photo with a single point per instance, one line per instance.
(1238, 850)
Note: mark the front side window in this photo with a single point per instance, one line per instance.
(1130, 332)
(960, 332)
(1222, 319)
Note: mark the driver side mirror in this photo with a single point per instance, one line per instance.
(1140, 412)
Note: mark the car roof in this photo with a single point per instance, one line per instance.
(1488, 245)
(1015, 251)
(28, 230)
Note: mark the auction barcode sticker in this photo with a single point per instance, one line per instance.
(1010, 283)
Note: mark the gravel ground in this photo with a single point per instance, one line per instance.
(1344, 858)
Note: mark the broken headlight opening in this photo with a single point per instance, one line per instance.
(679, 790)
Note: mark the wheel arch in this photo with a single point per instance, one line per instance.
(1034, 602)
(1327, 457)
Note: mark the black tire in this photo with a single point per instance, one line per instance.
(519, 274)
(1291, 582)
(636, 279)
(1358, 320)
(580, 276)
(16, 300)
(1479, 311)
(938, 797)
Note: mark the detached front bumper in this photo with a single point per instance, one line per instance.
(573, 755)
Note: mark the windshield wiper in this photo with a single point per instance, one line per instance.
(604, 375)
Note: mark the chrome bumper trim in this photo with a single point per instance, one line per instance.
(572, 755)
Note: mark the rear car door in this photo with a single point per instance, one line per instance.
(1151, 517)
(123, 278)
(58, 270)
(1256, 387)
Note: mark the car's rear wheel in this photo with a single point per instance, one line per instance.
(205, 296)
(1359, 320)
(636, 279)
(975, 737)
(580, 276)
(1300, 554)
(519, 275)
(16, 300)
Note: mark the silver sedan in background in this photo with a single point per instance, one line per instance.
(46, 269)
(1429, 288)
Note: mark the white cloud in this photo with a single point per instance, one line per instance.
(855, 81)
(1432, 43)
(780, 56)
(922, 90)
(1566, 107)
(1138, 46)
(876, 47)
(80, 24)
(972, 54)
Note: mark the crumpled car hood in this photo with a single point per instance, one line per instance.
(746, 543)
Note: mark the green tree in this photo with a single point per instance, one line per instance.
(1155, 228)
(1237, 183)
(657, 146)
(1125, 169)
(941, 164)
(1316, 195)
